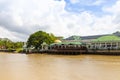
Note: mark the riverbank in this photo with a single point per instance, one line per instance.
(69, 52)
(77, 52)
(9, 53)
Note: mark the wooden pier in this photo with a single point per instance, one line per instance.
(82, 52)
(104, 52)
(66, 52)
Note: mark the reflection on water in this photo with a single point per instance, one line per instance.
(58, 67)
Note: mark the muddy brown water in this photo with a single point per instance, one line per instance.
(59, 67)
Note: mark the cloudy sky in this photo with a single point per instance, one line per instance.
(20, 18)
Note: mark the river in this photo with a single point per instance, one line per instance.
(59, 67)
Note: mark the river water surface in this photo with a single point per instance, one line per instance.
(59, 67)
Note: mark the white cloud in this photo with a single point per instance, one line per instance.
(21, 18)
(74, 1)
(88, 2)
(98, 2)
(113, 9)
(7, 34)
(114, 12)
(28, 16)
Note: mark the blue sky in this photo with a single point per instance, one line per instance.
(20, 18)
(93, 6)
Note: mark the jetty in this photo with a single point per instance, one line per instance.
(80, 52)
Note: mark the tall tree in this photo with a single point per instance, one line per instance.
(37, 38)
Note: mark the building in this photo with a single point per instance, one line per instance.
(67, 45)
(96, 44)
(106, 41)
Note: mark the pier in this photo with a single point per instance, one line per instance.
(81, 52)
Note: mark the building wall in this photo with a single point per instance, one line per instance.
(104, 45)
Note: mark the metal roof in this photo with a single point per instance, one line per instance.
(67, 43)
(107, 38)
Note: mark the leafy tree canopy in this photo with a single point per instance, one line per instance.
(8, 44)
(37, 38)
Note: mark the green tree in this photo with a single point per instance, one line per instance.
(37, 38)
(6, 43)
(18, 44)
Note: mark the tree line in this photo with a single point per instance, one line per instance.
(8, 44)
(35, 40)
